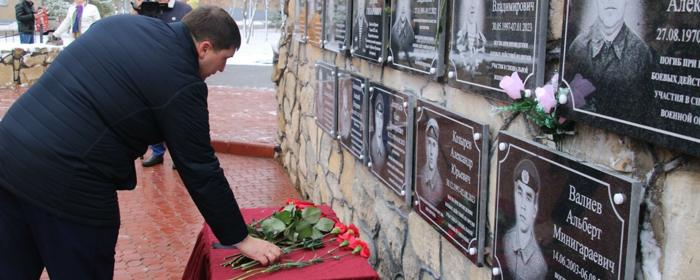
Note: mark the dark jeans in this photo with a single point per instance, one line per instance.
(31, 239)
(26, 38)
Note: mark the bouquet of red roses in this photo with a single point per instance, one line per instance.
(300, 225)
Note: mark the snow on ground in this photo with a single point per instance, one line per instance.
(258, 51)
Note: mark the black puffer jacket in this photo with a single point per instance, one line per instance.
(25, 16)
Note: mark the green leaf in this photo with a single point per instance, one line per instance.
(272, 226)
(304, 230)
(302, 225)
(284, 216)
(316, 234)
(311, 214)
(324, 225)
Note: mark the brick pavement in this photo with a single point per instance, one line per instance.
(159, 221)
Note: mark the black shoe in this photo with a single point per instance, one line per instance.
(153, 160)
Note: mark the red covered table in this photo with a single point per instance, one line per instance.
(205, 261)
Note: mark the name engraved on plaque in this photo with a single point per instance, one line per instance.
(337, 20)
(326, 98)
(368, 31)
(557, 218)
(352, 113)
(416, 40)
(493, 39)
(619, 55)
(450, 177)
(390, 124)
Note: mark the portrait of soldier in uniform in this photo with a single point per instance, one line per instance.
(378, 139)
(429, 183)
(360, 26)
(613, 58)
(523, 254)
(402, 36)
(470, 39)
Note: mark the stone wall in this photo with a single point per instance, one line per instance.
(24, 66)
(403, 244)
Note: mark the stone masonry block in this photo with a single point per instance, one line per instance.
(394, 226)
(681, 213)
(425, 240)
(30, 75)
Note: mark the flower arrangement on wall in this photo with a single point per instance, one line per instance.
(540, 107)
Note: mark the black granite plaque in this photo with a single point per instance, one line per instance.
(416, 41)
(352, 113)
(451, 177)
(643, 79)
(368, 30)
(337, 24)
(314, 31)
(390, 138)
(300, 9)
(557, 218)
(325, 106)
(493, 39)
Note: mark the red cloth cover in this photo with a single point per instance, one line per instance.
(205, 261)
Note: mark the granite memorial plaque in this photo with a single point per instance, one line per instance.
(314, 31)
(368, 30)
(390, 138)
(352, 113)
(557, 218)
(416, 41)
(325, 105)
(451, 177)
(337, 24)
(493, 39)
(300, 8)
(634, 67)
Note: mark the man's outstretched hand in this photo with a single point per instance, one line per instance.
(260, 250)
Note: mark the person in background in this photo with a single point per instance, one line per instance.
(69, 143)
(24, 12)
(80, 16)
(167, 11)
(41, 20)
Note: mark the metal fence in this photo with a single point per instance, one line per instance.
(12, 37)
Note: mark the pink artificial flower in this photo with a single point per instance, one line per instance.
(545, 97)
(513, 85)
(580, 88)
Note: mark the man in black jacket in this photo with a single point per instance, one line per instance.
(24, 12)
(69, 143)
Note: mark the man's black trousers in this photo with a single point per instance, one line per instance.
(32, 238)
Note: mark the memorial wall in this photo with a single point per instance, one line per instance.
(525, 139)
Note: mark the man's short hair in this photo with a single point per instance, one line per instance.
(525, 173)
(214, 24)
